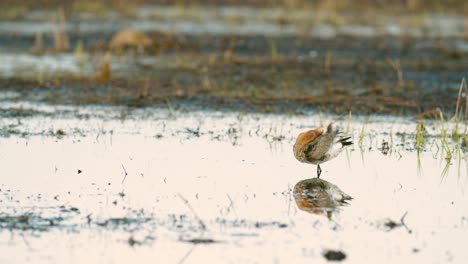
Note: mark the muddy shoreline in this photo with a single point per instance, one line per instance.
(261, 74)
(235, 72)
(238, 58)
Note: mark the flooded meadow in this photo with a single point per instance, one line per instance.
(223, 187)
(165, 134)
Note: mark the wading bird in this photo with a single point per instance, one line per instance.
(318, 145)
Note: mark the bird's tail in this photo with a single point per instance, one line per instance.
(345, 141)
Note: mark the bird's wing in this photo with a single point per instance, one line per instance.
(307, 137)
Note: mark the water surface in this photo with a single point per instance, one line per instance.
(218, 187)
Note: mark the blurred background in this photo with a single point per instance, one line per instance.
(368, 56)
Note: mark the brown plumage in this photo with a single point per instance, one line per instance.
(319, 197)
(318, 145)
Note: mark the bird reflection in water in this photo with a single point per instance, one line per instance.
(319, 197)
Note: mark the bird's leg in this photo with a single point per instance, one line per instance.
(319, 171)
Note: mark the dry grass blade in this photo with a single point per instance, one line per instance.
(61, 42)
(273, 50)
(125, 174)
(186, 202)
(459, 99)
(327, 61)
(420, 135)
(169, 107)
(363, 133)
(104, 70)
(38, 46)
(456, 117)
(396, 66)
(348, 122)
(445, 145)
(466, 103)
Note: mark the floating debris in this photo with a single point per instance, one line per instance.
(334, 255)
(60, 132)
(200, 241)
(390, 224)
(131, 241)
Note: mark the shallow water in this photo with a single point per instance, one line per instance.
(16, 64)
(218, 187)
(20, 64)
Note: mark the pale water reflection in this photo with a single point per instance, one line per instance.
(242, 191)
(319, 197)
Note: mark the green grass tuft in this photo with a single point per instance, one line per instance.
(443, 137)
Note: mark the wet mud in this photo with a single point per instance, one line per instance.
(336, 76)
(206, 59)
